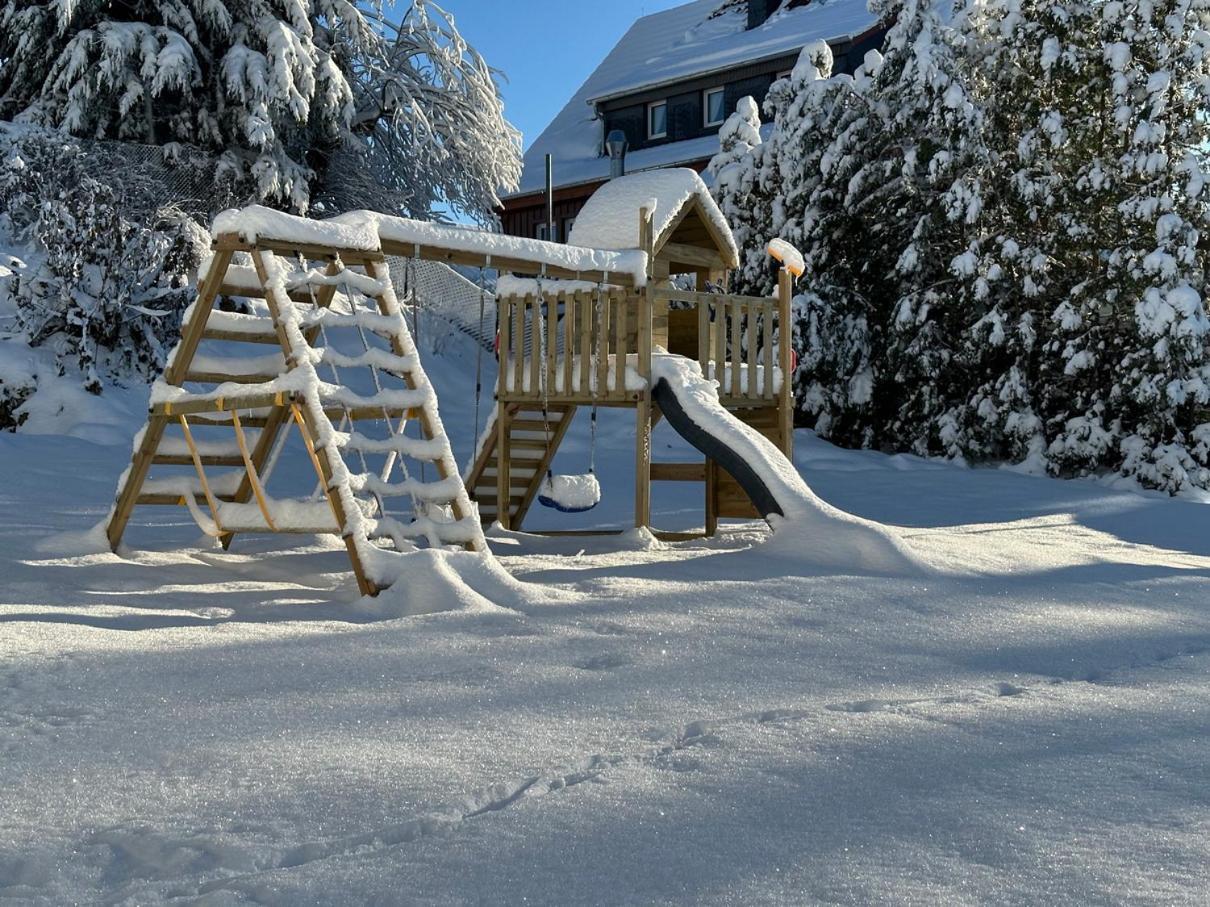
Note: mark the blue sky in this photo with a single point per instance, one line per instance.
(547, 48)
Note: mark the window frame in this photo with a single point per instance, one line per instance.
(651, 133)
(706, 95)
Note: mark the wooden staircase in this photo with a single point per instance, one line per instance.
(532, 444)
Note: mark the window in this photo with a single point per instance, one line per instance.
(543, 232)
(714, 104)
(568, 223)
(657, 120)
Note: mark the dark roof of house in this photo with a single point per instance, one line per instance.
(685, 42)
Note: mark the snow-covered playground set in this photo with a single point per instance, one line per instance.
(596, 323)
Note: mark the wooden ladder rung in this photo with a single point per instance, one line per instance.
(267, 338)
(246, 422)
(187, 460)
(176, 500)
(528, 444)
(368, 413)
(220, 378)
(288, 530)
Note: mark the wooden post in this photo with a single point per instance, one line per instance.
(276, 300)
(785, 403)
(504, 483)
(140, 463)
(642, 444)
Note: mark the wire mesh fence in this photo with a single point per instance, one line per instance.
(143, 178)
(445, 295)
(148, 178)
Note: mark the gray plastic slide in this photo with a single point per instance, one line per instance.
(665, 397)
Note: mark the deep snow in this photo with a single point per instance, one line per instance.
(612, 721)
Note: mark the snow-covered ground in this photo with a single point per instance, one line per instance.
(715, 722)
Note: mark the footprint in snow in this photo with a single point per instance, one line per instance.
(604, 662)
(906, 706)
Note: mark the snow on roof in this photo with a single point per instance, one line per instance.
(364, 230)
(610, 219)
(671, 46)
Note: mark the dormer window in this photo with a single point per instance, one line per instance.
(714, 105)
(657, 120)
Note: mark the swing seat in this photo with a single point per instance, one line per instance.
(570, 494)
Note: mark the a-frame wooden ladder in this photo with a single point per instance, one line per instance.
(267, 393)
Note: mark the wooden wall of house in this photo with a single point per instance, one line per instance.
(524, 217)
(686, 114)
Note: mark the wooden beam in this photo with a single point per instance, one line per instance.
(223, 404)
(231, 242)
(516, 264)
(503, 464)
(267, 338)
(187, 460)
(140, 463)
(785, 295)
(678, 472)
(642, 441)
(226, 378)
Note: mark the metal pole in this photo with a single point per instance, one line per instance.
(550, 197)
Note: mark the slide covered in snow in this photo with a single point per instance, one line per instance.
(691, 405)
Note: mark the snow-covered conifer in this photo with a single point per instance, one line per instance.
(735, 187)
(1092, 278)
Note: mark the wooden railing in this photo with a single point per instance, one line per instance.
(575, 346)
(736, 342)
(579, 346)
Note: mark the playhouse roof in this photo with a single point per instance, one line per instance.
(680, 43)
(610, 219)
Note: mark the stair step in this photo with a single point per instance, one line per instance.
(489, 491)
(533, 425)
(516, 469)
(492, 502)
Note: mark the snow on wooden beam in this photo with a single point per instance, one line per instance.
(365, 235)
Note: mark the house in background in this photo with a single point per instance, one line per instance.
(668, 85)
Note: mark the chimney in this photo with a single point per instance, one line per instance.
(616, 144)
(759, 11)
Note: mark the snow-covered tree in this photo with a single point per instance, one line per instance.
(103, 292)
(1088, 263)
(1003, 222)
(734, 170)
(283, 89)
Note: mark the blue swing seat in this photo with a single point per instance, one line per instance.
(589, 497)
